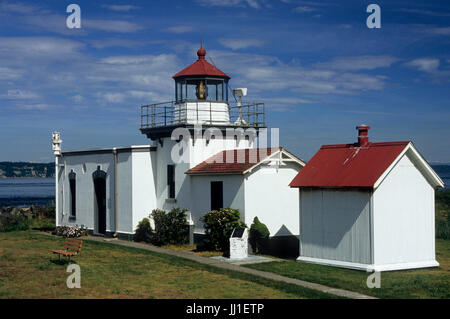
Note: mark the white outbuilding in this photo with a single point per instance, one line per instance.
(368, 206)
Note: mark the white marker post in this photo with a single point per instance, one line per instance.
(56, 146)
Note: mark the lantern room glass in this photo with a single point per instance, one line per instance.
(201, 89)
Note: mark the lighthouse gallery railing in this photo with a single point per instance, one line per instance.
(202, 112)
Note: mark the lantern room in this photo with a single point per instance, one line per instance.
(201, 81)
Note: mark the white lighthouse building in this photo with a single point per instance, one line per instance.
(206, 153)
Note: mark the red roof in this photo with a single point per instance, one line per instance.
(237, 164)
(201, 67)
(348, 165)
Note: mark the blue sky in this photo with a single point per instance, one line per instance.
(315, 64)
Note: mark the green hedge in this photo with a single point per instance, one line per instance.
(170, 228)
(219, 225)
(258, 232)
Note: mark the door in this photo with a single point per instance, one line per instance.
(99, 177)
(216, 195)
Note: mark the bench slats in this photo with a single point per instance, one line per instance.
(72, 248)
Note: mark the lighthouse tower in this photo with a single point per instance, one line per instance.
(200, 122)
(202, 116)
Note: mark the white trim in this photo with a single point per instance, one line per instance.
(268, 158)
(424, 165)
(370, 267)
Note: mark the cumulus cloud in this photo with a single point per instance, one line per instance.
(425, 64)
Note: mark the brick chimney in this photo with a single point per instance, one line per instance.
(363, 135)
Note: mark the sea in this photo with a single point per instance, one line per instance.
(24, 192)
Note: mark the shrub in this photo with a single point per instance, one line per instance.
(258, 232)
(170, 228)
(70, 231)
(219, 225)
(14, 220)
(143, 231)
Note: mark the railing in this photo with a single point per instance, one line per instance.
(202, 112)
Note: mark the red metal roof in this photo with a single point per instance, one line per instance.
(201, 67)
(348, 165)
(240, 161)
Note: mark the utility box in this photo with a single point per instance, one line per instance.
(239, 243)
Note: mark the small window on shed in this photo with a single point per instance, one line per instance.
(73, 191)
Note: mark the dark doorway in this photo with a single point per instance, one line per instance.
(216, 195)
(99, 177)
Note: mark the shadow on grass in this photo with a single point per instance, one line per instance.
(62, 262)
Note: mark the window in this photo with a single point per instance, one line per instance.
(216, 195)
(171, 181)
(73, 190)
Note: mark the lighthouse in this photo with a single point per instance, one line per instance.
(205, 154)
(212, 115)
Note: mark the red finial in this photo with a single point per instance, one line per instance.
(201, 52)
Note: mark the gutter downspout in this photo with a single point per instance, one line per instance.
(116, 213)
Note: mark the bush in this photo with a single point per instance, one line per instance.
(170, 228)
(258, 232)
(70, 231)
(143, 231)
(219, 225)
(14, 220)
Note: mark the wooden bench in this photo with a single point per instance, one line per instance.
(72, 247)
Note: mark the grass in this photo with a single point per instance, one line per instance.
(420, 283)
(443, 214)
(29, 270)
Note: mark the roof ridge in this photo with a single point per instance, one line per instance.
(370, 144)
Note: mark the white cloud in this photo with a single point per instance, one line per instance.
(120, 8)
(427, 12)
(255, 4)
(268, 75)
(113, 97)
(364, 62)
(38, 47)
(16, 7)
(236, 43)
(9, 74)
(425, 64)
(440, 31)
(303, 9)
(20, 95)
(120, 26)
(180, 29)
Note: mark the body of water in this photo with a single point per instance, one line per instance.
(444, 172)
(26, 191)
(41, 191)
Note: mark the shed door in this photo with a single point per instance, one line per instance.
(216, 195)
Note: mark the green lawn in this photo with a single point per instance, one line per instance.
(420, 283)
(28, 269)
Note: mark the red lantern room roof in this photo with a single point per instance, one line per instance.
(201, 67)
